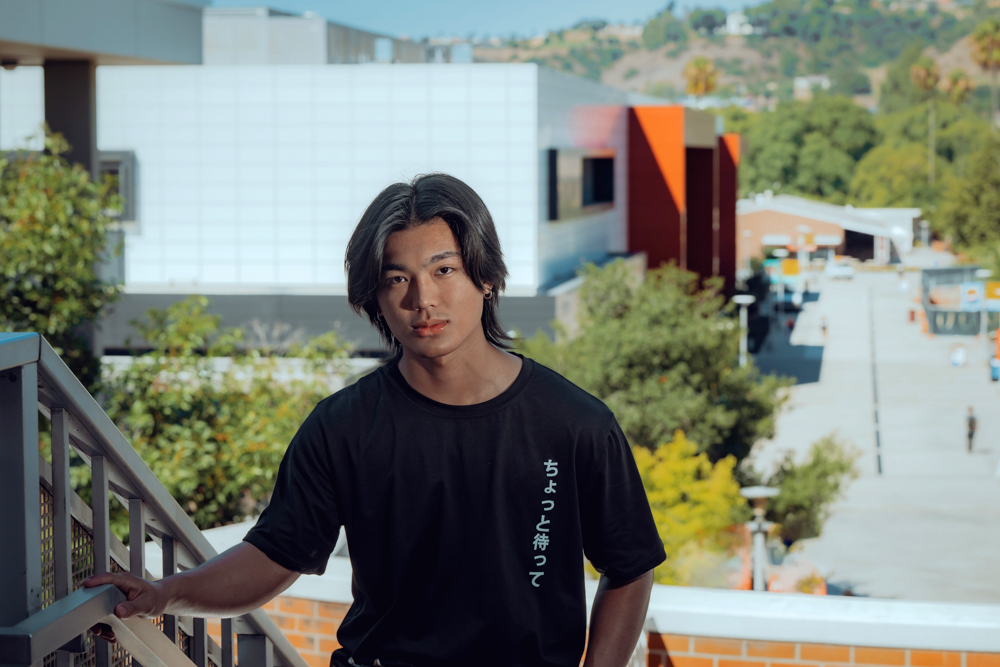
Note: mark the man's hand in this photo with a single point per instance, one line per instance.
(145, 599)
(231, 584)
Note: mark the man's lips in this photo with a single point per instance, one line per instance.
(429, 327)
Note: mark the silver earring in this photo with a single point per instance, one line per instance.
(488, 295)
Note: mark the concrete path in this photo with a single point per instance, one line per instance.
(928, 526)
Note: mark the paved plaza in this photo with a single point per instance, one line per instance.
(928, 526)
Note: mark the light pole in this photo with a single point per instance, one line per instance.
(743, 301)
(758, 495)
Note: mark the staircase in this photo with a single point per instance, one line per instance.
(52, 541)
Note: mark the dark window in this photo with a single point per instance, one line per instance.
(598, 180)
(553, 184)
(122, 170)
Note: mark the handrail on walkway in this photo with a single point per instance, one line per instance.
(33, 380)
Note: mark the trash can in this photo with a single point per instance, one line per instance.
(995, 369)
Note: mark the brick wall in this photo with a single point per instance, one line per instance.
(686, 651)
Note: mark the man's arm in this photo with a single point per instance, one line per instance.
(616, 620)
(235, 582)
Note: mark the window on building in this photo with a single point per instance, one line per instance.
(598, 180)
(581, 182)
(122, 169)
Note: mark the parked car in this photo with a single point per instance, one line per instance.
(839, 269)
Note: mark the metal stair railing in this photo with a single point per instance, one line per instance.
(51, 540)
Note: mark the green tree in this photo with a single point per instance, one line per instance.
(898, 92)
(706, 21)
(808, 489)
(693, 500)
(807, 148)
(891, 175)
(210, 417)
(986, 53)
(971, 212)
(662, 353)
(664, 28)
(53, 235)
(701, 75)
(925, 76)
(958, 85)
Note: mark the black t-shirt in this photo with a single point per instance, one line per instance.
(465, 523)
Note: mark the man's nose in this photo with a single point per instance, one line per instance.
(422, 294)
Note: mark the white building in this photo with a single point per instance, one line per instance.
(250, 179)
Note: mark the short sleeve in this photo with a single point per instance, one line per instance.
(619, 535)
(299, 528)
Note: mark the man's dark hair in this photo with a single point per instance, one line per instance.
(405, 205)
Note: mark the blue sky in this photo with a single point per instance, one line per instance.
(432, 18)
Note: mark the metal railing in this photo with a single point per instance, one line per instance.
(50, 539)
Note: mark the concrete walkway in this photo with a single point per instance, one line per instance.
(928, 526)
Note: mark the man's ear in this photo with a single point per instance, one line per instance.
(487, 289)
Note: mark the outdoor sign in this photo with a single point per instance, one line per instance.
(993, 295)
(789, 267)
(971, 295)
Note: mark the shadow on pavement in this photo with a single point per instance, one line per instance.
(777, 356)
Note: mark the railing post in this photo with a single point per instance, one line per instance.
(255, 651)
(20, 520)
(102, 540)
(199, 642)
(62, 522)
(136, 544)
(228, 655)
(169, 568)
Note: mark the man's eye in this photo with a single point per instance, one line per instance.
(394, 280)
(446, 269)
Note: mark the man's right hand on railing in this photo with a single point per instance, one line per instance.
(232, 584)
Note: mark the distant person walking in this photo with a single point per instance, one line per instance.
(823, 326)
(970, 423)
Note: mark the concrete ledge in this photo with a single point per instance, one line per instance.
(812, 619)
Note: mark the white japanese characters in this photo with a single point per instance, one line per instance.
(541, 539)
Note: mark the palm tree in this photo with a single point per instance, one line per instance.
(986, 53)
(700, 73)
(925, 75)
(959, 86)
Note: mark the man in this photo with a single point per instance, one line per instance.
(468, 479)
(970, 424)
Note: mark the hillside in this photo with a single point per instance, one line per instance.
(846, 46)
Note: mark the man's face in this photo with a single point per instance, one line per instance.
(426, 297)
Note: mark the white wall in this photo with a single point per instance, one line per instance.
(252, 178)
(577, 113)
(22, 108)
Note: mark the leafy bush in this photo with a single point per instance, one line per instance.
(664, 28)
(971, 212)
(692, 499)
(211, 418)
(663, 355)
(53, 235)
(808, 489)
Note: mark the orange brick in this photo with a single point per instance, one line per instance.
(301, 641)
(879, 656)
(687, 661)
(315, 627)
(825, 652)
(770, 650)
(718, 646)
(332, 610)
(671, 643)
(741, 663)
(316, 660)
(935, 659)
(297, 606)
(328, 645)
(282, 621)
(273, 604)
(982, 659)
